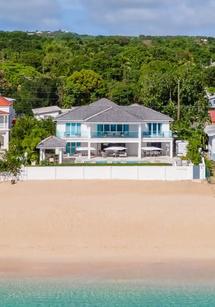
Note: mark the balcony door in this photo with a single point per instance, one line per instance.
(112, 129)
(154, 129)
(73, 129)
(71, 148)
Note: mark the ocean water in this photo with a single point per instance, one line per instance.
(63, 293)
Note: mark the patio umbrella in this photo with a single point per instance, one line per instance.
(85, 148)
(115, 148)
(152, 148)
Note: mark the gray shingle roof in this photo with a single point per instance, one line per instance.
(51, 142)
(82, 113)
(146, 114)
(105, 110)
(114, 114)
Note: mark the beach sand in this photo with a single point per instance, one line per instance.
(124, 229)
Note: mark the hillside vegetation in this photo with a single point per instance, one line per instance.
(67, 69)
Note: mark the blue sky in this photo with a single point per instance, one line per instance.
(125, 17)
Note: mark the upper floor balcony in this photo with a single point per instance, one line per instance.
(83, 131)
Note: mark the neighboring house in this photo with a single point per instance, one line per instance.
(210, 131)
(103, 123)
(47, 112)
(7, 115)
(212, 116)
(211, 99)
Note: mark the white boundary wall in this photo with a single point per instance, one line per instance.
(171, 173)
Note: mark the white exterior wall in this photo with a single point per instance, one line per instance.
(60, 130)
(4, 131)
(84, 130)
(165, 127)
(167, 173)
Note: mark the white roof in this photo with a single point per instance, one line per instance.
(45, 110)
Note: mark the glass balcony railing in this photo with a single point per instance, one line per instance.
(70, 135)
(118, 134)
(167, 134)
(115, 134)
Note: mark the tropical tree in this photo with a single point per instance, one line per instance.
(27, 133)
(83, 87)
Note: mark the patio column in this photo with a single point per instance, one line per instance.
(140, 141)
(60, 155)
(89, 151)
(42, 155)
(171, 149)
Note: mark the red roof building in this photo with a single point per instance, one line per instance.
(212, 116)
(4, 102)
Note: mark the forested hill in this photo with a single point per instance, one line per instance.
(67, 69)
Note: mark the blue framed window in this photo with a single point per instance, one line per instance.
(100, 128)
(71, 148)
(106, 128)
(113, 128)
(73, 129)
(120, 128)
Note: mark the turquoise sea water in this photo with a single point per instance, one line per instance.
(63, 293)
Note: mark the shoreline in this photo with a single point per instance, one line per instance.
(167, 271)
(108, 229)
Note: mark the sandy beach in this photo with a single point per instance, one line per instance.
(107, 228)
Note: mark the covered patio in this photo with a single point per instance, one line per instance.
(52, 149)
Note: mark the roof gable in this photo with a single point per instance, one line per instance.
(4, 102)
(51, 142)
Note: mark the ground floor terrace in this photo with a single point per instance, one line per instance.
(120, 149)
(149, 151)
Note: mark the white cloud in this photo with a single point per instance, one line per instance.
(29, 14)
(152, 16)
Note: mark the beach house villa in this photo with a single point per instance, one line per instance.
(105, 129)
(7, 115)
